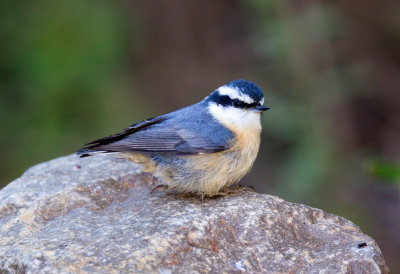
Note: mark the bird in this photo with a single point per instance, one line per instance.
(199, 149)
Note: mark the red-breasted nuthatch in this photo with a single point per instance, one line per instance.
(200, 148)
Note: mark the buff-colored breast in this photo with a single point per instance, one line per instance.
(225, 168)
(209, 173)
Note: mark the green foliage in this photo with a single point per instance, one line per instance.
(389, 172)
(57, 60)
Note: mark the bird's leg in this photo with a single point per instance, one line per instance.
(164, 187)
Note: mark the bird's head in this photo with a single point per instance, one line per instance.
(237, 104)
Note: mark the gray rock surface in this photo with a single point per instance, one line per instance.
(97, 215)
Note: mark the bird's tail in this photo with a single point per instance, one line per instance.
(86, 152)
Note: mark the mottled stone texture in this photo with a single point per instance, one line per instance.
(97, 215)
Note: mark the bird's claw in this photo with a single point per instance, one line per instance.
(164, 188)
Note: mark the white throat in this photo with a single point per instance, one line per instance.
(235, 118)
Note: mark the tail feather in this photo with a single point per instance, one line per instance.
(99, 146)
(86, 152)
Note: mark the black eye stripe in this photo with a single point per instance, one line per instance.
(225, 100)
(241, 104)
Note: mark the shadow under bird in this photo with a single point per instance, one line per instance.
(200, 148)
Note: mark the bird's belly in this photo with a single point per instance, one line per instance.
(203, 173)
(208, 173)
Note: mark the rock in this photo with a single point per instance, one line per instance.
(96, 214)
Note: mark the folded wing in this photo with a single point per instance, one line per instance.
(157, 135)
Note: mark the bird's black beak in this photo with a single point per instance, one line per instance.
(261, 108)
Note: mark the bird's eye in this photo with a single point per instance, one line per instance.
(223, 100)
(237, 103)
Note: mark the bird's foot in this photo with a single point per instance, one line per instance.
(164, 188)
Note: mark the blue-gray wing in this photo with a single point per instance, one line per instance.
(166, 135)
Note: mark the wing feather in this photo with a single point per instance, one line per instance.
(157, 135)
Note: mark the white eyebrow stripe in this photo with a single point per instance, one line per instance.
(231, 92)
(235, 94)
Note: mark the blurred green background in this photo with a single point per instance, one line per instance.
(73, 71)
